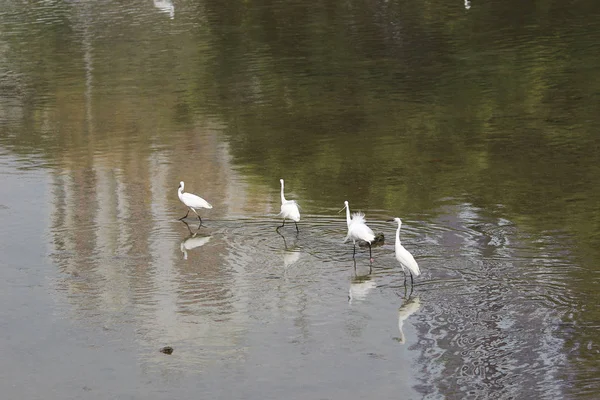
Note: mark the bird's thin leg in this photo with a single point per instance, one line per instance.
(188, 226)
(281, 226)
(197, 215)
(185, 216)
(370, 256)
(411, 290)
(404, 279)
(411, 280)
(354, 252)
(297, 230)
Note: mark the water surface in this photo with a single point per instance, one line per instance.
(478, 126)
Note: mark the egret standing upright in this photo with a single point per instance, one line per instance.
(407, 261)
(191, 201)
(289, 209)
(358, 229)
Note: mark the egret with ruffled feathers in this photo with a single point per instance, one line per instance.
(358, 229)
(289, 210)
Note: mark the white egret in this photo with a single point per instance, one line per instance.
(407, 261)
(410, 306)
(358, 229)
(289, 209)
(191, 201)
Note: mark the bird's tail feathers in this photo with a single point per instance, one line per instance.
(414, 269)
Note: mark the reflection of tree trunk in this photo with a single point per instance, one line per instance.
(89, 68)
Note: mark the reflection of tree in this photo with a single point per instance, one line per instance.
(109, 228)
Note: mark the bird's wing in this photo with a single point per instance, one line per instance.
(407, 260)
(361, 231)
(195, 201)
(290, 210)
(291, 204)
(295, 203)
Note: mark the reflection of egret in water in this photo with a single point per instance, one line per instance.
(410, 306)
(290, 257)
(290, 254)
(467, 4)
(165, 6)
(193, 241)
(360, 287)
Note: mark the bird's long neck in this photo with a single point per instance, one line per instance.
(398, 234)
(282, 196)
(348, 220)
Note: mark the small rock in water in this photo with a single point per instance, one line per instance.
(167, 350)
(378, 241)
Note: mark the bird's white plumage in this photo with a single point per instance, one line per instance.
(407, 261)
(191, 200)
(289, 208)
(357, 227)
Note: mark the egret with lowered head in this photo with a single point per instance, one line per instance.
(289, 210)
(358, 229)
(407, 261)
(191, 201)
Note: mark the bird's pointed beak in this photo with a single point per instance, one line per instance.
(390, 220)
(343, 208)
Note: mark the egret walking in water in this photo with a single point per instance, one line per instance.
(289, 210)
(191, 201)
(407, 261)
(358, 229)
